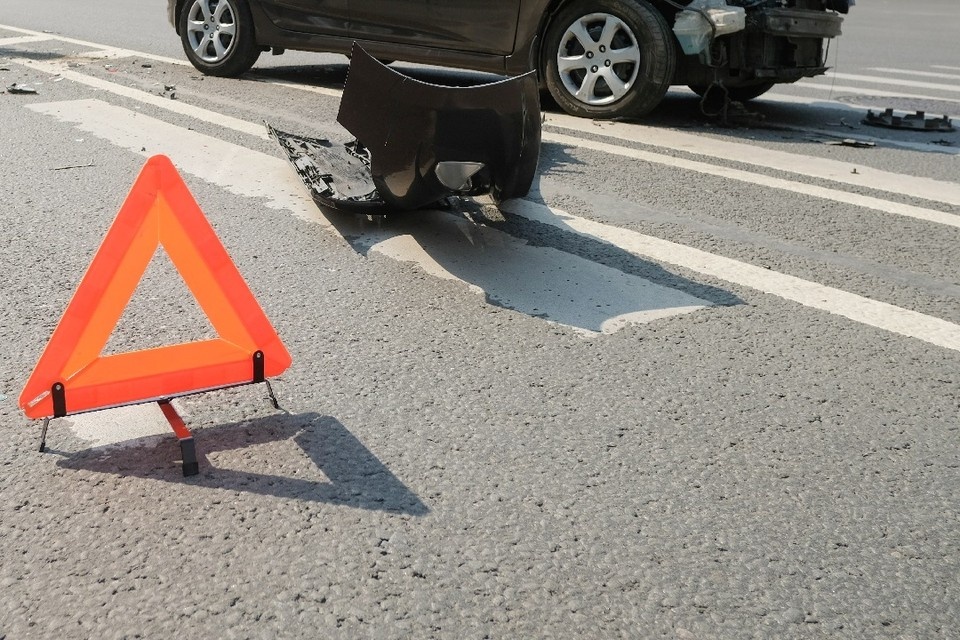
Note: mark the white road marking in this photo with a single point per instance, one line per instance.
(94, 45)
(943, 66)
(896, 82)
(920, 74)
(867, 202)
(811, 294)
(810, 166)
(823, 86)
(128, 426)
(9, 42)
(257, 175)
(256, 130)
(174, 106)
(557, 286)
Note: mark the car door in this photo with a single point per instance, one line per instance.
(478, 26)
(326, 17)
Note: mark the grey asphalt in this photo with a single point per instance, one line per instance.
(447, 467)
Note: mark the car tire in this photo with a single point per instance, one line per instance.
(740, 94)
(608, 58)
(218, 36)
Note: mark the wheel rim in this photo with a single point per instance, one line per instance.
(211, 29)
(598, 59)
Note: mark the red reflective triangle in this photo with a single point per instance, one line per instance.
(159, 211)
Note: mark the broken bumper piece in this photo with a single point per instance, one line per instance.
(418, 143)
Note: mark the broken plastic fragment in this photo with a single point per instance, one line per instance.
(20, 88)
(917, 121)
(418, 143)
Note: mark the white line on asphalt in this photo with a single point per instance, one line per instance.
(914, 72)
(874, 93)
(885, 206)
(175, 106)
(811, 294)
(9, 42)
(810, 166)
(896, 82)
(256, 175)
(803, 165)
(561, 287)
(243, 126)
(94, 45)
(323, 91)
(943, 66)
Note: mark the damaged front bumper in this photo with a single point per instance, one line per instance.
(418, 143)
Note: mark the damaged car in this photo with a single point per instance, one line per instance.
(597, 58)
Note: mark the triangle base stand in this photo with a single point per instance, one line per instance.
(188, 450)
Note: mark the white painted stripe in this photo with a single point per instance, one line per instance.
(811, 294)
(914, 72)
(9, 42)
(929, 215)
(916, 84)
(111, 53)
(323, 91)
(174, 106)
(823, 86)
(587, 296)
(744, 151)
(824, 168)
(94, 45)
(257, 175)
(943, 66)
(243, 126)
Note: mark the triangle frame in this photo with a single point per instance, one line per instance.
(159, 211)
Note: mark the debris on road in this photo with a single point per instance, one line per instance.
(917, 121)
(74, 166)
(21, 88)
(419, 143)
(850, 142)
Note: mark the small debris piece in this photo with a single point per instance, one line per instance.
(943, 142)
(20, 88)
(917, 121)
(842, 123)
(147, 65)
(74, 166)
(169, 87)
(850, 142)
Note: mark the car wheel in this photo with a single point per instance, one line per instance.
(218, 37)
(608, 58)
(740, 94)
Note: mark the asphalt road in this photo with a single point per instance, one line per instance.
(702, 383)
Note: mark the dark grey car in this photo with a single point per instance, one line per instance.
(597, 58)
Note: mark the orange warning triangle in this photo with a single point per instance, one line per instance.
(158, 211)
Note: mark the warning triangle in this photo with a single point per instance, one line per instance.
(159, 211)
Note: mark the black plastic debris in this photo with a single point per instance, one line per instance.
(916, 121)
(418, 143)
(21, 88)
(337, 175)
(850, 142)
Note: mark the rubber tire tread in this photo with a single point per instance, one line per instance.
(245, 51)
(657, 64)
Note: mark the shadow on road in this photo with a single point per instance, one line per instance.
(356, 477)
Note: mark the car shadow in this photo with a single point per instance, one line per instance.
(804, 124)
(354, 476)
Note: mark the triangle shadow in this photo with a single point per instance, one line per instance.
(357, 478)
